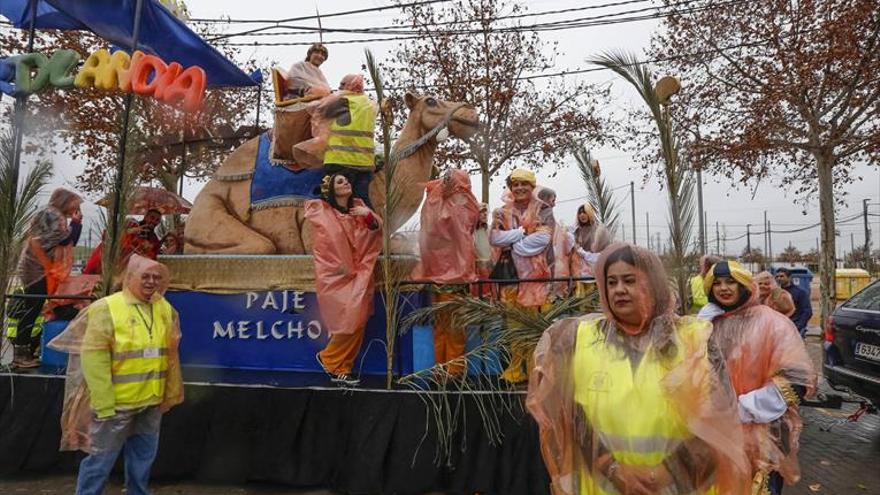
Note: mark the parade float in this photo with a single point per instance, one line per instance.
(258, 406)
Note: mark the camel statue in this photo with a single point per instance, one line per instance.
(224, 220)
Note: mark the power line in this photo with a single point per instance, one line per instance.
(595, 21)
(322, 16)
(399, 29)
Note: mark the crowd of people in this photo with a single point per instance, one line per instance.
(634, 399)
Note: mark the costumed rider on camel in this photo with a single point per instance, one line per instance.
(305, 77)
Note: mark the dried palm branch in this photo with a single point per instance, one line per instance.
(678, 177)
(599, 193)
(114, 222)
(394, 272)
(17, 207)
(503, 328)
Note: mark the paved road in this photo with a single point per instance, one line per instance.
(842, 461)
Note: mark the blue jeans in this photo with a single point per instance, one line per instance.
(137, 437)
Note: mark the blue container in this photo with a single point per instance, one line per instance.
(50, 357)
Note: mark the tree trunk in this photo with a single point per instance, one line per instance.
(485, 176)
(827, 258)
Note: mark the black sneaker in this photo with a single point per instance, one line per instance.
(341, 379)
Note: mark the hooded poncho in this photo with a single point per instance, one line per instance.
(762, 348)
(446, 238)
(93, 330)
(696, 396)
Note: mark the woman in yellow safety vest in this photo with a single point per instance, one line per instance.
(633, 400)
(123, 374)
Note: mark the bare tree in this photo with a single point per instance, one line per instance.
(780, 90)
(467, 51)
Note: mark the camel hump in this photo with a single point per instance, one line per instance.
(239, 165)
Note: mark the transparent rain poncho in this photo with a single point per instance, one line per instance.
(93, 330)
(446, 238)
(43, 256)
(636, 410)
(763, 349)
(310, 153)
(345, 251)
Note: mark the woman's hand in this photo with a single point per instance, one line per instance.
(360, 211)
(635, 480)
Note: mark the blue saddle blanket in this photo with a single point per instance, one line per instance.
(275, 185)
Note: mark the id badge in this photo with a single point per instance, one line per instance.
(151, 352)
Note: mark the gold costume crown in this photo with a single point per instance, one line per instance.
(326, 185)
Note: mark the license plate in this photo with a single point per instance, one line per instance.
(868, 351)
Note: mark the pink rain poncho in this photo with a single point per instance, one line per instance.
(345, 251)
(43, 256)
(446, 239)
(93, 330)
(310, 153)
(764, 349)
(645, 409)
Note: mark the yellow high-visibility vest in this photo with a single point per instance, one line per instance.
(139, 358)
(629, 410)
(352, 145)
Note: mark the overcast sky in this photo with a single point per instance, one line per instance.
(725, 203)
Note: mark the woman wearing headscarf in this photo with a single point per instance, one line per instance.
(590, 237)
(123, 374)
(634, 400)
(449, 218)
(347, 240)
(770, 371)
(45, 262)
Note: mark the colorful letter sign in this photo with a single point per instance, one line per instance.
(145, 75)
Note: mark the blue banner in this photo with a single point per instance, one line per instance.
(277, 330)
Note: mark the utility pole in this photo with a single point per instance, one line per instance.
(632, 198)
(717, 240)
(701, 213)
(867, 233)
(749, 239)
(852, 244)
(648, 228)
(769, 243)
(765, 232)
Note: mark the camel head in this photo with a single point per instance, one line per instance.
(431, 111)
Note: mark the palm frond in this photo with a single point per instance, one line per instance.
(17, 207)
(679, 178)
(113, 226)
(599, 192)
(504, 329)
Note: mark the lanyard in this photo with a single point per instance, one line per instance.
(144, 320)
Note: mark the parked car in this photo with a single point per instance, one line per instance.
(852, 344)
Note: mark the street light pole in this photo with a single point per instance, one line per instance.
(632, 198)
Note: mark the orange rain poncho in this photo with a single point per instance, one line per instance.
(43, 256)
(77, 413)
(613, 402)
(446, 238)
(763, 348)
(345, 251)
(310, 153)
